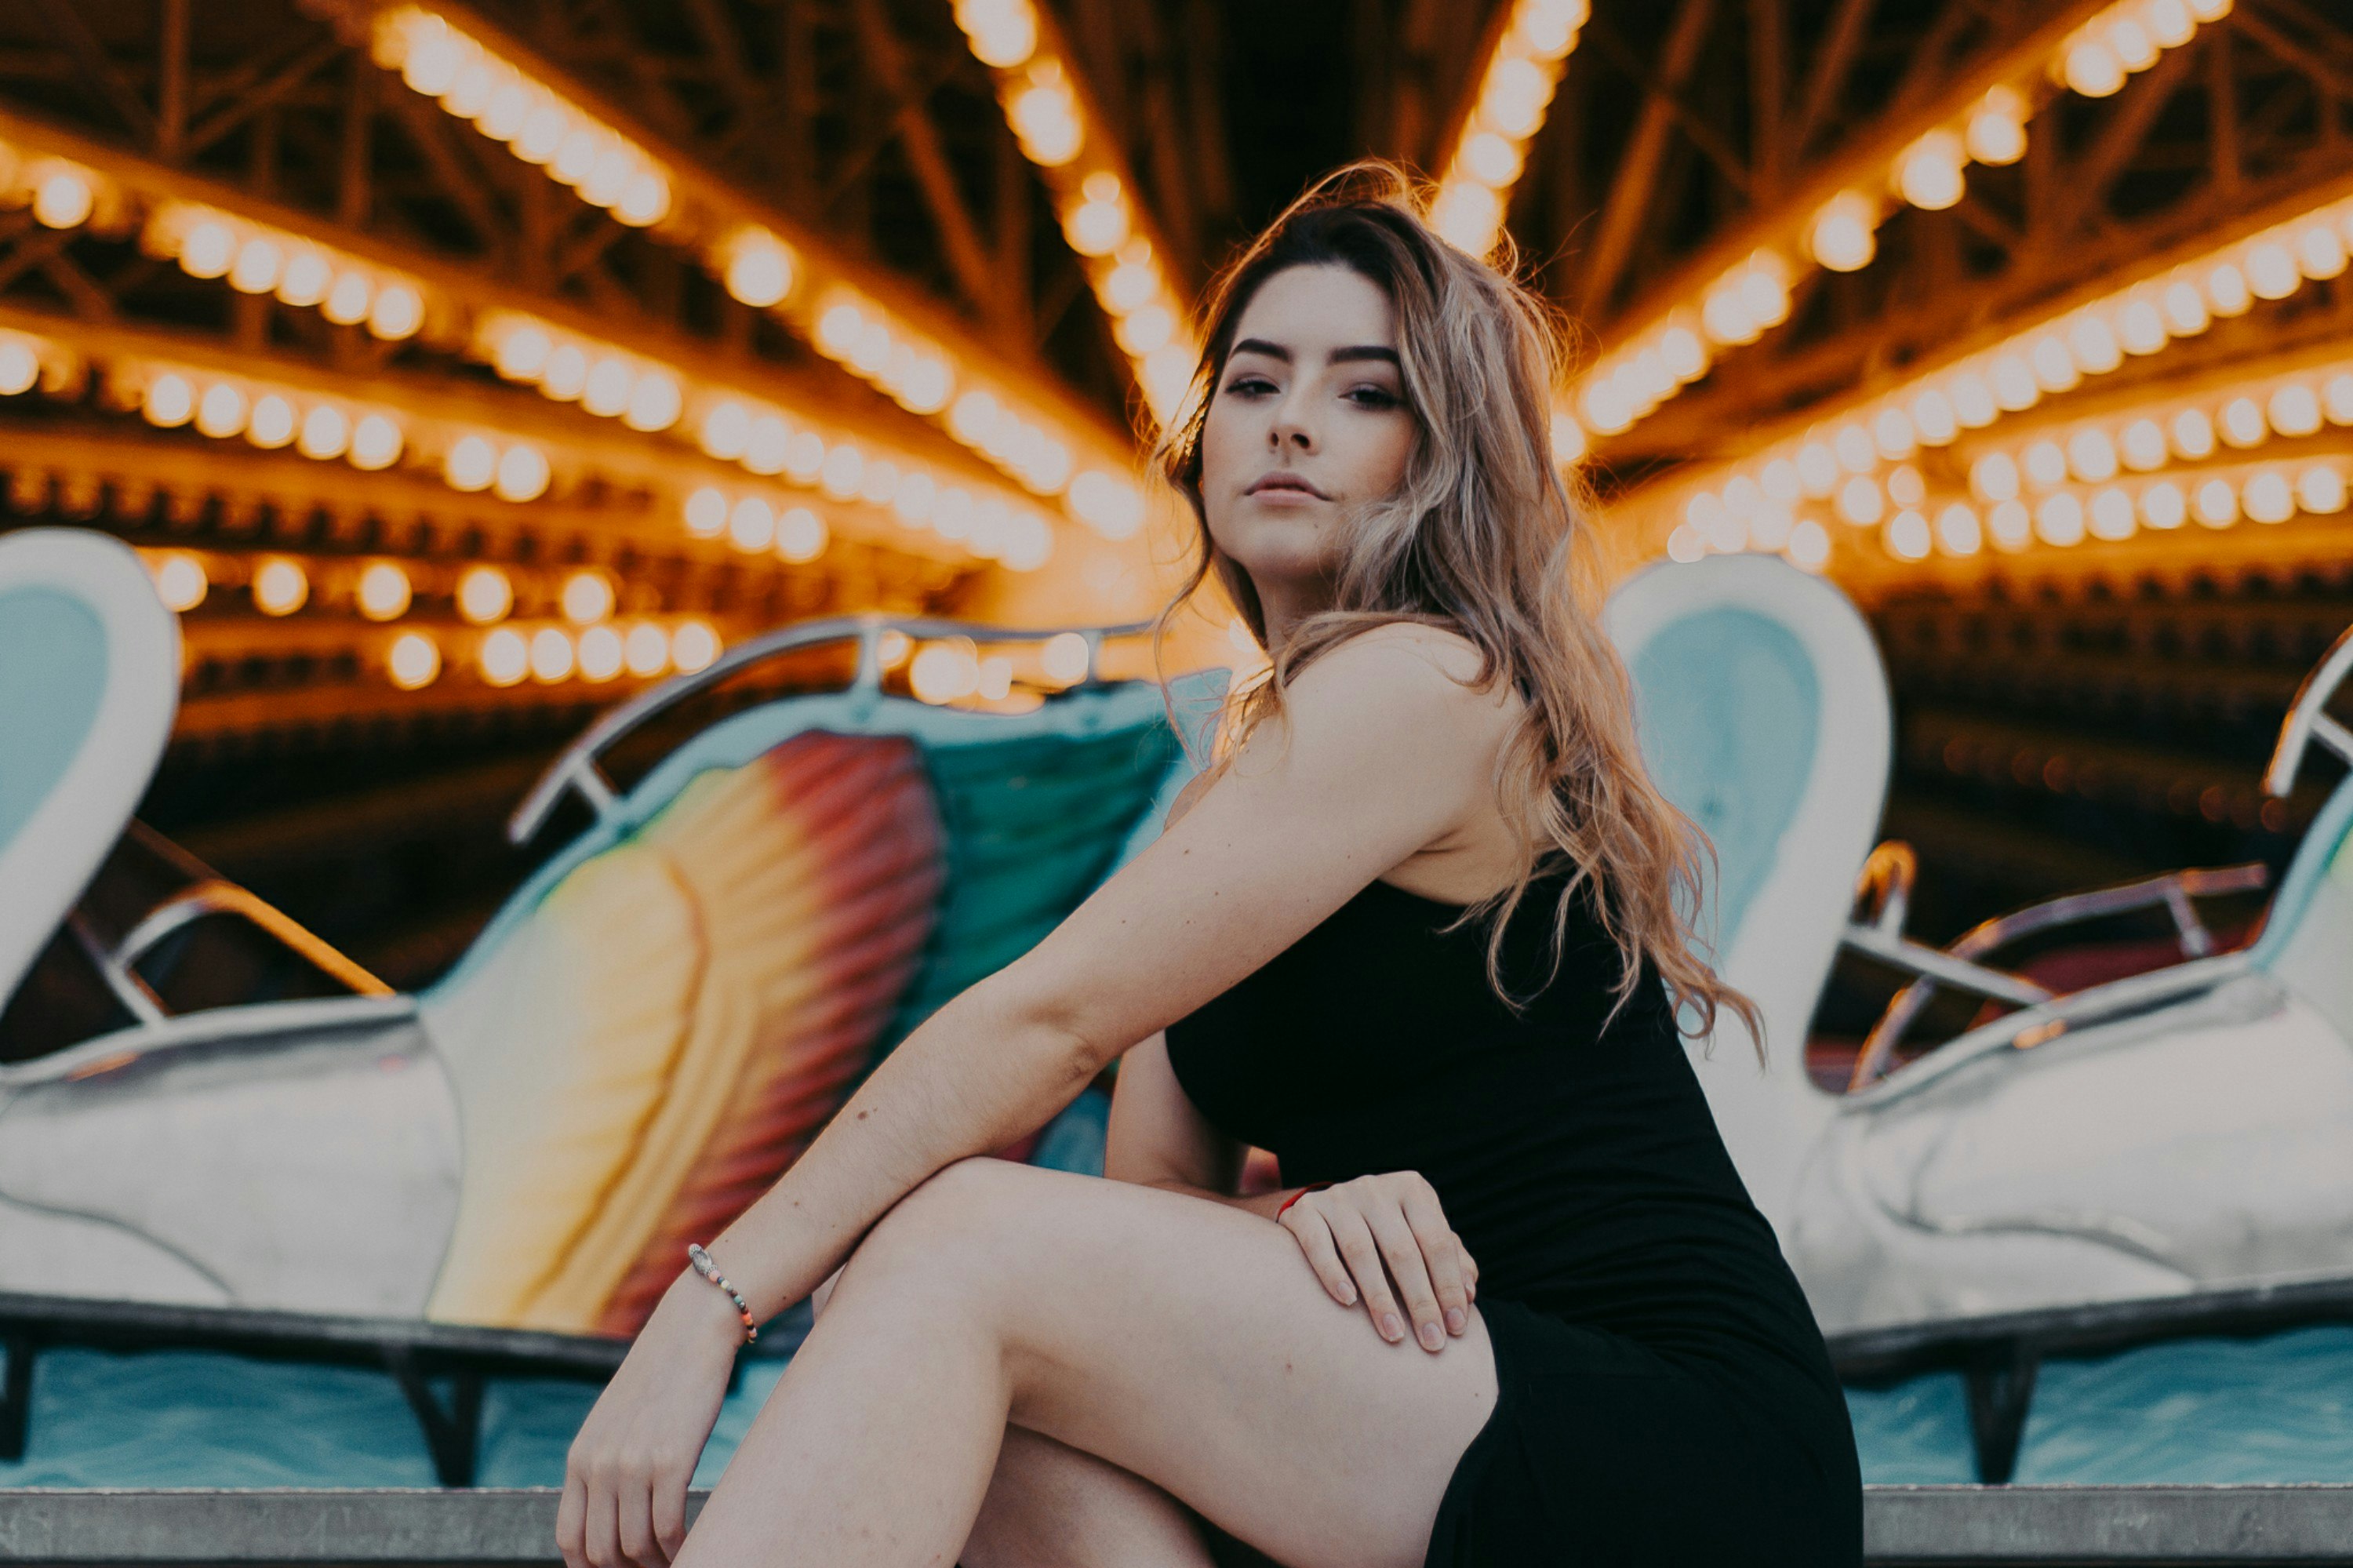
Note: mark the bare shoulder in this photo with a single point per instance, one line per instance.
(1406, 672)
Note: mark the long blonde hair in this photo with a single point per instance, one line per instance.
(1485, 538)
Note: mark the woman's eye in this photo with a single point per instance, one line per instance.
(1250, 386)
(1373, 396)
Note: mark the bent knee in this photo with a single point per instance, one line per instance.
(957, 1224)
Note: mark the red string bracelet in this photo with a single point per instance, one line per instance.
(1311, 1187)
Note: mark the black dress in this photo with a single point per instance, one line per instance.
(1665, 1397)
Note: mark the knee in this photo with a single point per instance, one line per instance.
(956, 1229)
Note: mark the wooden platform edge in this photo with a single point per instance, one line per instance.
(2019, 1526)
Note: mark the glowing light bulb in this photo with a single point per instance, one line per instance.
(1860, 501)
(1096, 227)
(168, 400)
(646, 650)
(2242, 423)
(1064, 658)
(1810, 545)
(2267, 498)
(1907, 537)
(2010, 525)
(1996, 128)
(2142, 445)
(209, 248)
(2320, 490)
(655, 402)
(396, 312)
(272, 422)
(484, 595)
(2293, 411)
(376, 442)
(566, 374)
(800, 536)
(1994, 476)
(2192, 434)
(280, 586)
(692, 647)
(2045, 464)
(2216, 505)
(306, 278)
(2060, 520)
(1840, 238)
(414, 661)
(2111, 516)
(601, 654)
(471, 464)
(552, 656)
(522, 473)
(64, 197)
(1928, 173)
(382, 592)
(1958, 531)
(179, 580)
(2271, 271)
(220, 413)
(348, 298)
(257, 266)
(505, 657)
(522, 352)
(706, 513)
(752, 525)
(2163, 506)
(2091, 456)
(587, 597)
(606, 390)
(2092, 69)
(759, 268)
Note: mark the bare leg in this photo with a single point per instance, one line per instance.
(1050, 1506)
(1180, 1340)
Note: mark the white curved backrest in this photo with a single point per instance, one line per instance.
(1763, 711)
(89, 680)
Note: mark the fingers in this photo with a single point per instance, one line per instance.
(670, 1512)
(604, 1529)
(571, 1521)
(1450, 1266)
(634, 1515)
(1314, 1238)
(1402, 1252)
(1358, 1249)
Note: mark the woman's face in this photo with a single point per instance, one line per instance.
(1307, 422)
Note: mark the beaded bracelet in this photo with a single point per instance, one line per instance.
(710, 1271)
(1311, 1187)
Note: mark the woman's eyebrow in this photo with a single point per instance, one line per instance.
(1339, 355)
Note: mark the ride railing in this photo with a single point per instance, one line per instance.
(578, 771)
(1883, 893)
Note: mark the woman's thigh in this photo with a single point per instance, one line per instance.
(1188, 1342)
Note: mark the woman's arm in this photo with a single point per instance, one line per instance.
(1158, 1138)
(1383, 752)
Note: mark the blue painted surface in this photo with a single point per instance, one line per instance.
(52, 679)
(204, 1419)
(2278, 1409)
(1729, 714)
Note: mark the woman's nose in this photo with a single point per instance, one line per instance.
(1290, 430)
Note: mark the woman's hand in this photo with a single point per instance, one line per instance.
(625, 1477)
(1351, 1229)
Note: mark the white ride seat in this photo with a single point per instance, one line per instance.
(1763, 711)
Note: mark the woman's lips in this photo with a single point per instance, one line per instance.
(1284, 483)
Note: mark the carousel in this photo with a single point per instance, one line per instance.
(570, 572)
